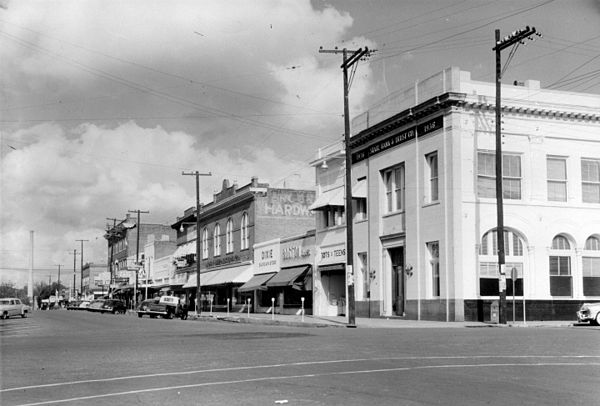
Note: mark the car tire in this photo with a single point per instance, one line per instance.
(140, 315)
(24, 315)
(168, 316)
(4, 316)
(597, 320)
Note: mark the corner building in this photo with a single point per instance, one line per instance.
(424, 193)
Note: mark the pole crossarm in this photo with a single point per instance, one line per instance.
(516, 37)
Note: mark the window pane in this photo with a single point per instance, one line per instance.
(592, 244)
(554, 266)
(591, 193)
(557, 169)
(557, 191)
(564, 266)
(511, 166)
(591, 266)
(434, 189)
(486, 164)
(517, 246)
(560, 243)
(486, 187)
(590, 171)
(511, 189)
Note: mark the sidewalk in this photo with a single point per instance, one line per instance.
(340, 321)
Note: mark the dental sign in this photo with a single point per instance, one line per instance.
(399, 138)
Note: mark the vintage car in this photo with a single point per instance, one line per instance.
(12, 306)
(113, 306)
(166, 307)
(589, 312)
(144, 307)
(95, 306)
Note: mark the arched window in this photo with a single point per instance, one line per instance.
(561, 283)
(217, 240)
(205, 243)
(591, 267)
(229, 236)
(244, 234)
(488, 263)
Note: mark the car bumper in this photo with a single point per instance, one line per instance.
(584, 317)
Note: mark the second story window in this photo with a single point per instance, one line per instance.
(393, 180)
(217, 241)
(590, 179)
(205, 243)
(229, 236)
(556, 169)
(486, 175)
(244, 235)
(432, 191)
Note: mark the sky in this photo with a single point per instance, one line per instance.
(103, 103)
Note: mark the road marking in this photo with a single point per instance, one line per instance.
(275, 378)
(301, 363)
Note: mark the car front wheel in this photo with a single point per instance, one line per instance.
(598, 319)
(24, 314)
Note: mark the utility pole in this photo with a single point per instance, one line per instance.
(347, 63)
(81, 270)
(110, 262)
(74, 273)
(30, 279)
(59, 265)
(137, 253)
(198, 257)
(514, 39)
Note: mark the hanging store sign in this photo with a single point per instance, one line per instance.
(408, 134)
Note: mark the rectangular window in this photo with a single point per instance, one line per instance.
(560, 276)
(434, 261)
(393, 180)
(432, 192)
(556, 170)
(591, 276)
(361, 209)
(486, 175)
(590, 180)
(333, 216)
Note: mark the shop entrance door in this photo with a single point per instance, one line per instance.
(398, 289)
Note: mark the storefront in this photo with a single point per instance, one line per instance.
(330, 282)
(282, 275)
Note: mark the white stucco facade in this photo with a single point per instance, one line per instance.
(428, 252)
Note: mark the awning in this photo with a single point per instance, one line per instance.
(185, 249)
(332, 268)
(204, 278)
(256, 282)
(287, 276)
(237, 274)
(359, 190)
(334, 197)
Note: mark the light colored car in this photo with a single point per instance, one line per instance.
(12, 306)
(589, 312)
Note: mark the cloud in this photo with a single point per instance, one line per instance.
(106, 102)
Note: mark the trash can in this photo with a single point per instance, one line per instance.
(494, 312)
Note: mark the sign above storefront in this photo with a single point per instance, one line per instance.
(333, 254)
(267, 257)
(408, 134)
(298, 251)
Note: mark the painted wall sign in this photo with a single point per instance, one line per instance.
(286, 203)
(419, 130)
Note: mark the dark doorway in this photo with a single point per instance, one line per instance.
(397, 260)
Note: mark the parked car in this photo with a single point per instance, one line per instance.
(168, 307)
(83, 305)
(74, 305)
(95, 305)
(144, 307)
(589, 312)
(12, 306)
(113, 306)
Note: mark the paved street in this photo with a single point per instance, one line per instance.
(77, 358)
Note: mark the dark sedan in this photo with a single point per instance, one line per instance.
(113, 306)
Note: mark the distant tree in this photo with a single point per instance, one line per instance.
(7, 289)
